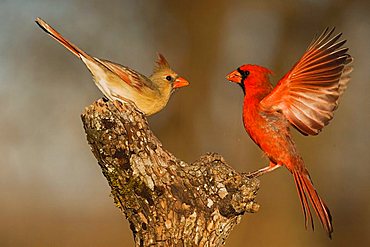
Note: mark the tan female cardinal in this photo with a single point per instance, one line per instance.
(121, 83)
(306, 98)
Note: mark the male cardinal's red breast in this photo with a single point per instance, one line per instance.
(306, 98)
(121, 83)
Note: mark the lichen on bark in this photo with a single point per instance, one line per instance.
(167, 202)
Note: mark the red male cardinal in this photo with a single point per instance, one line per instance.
(121, 83)
(306, 98)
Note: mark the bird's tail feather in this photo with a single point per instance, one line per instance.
(306, 189)
(58, 37)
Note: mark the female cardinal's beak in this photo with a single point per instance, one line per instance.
(180, 82)
(234, 76)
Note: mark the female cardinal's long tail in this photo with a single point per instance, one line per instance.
(305, 189)
(58, 37)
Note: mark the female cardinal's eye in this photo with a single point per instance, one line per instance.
(169, 78)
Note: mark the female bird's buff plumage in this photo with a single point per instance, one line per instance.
(305, 98)
(121, 83)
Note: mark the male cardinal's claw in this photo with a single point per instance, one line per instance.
(253, 174)
(257, 173)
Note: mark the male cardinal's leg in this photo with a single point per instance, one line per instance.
(272, 166)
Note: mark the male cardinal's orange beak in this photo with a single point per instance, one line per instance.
(234, 77)
(180, 82)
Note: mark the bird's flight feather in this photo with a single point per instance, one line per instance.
(308, 94)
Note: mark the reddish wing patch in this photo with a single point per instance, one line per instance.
(308, 94)
(128, 75)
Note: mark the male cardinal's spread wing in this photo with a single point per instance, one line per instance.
(308, 94)
(131, 77)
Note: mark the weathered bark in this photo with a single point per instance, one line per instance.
(167, 201)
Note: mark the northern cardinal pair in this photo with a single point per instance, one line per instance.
(305, 97)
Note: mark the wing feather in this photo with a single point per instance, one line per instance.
(130, 76)
(308, 94)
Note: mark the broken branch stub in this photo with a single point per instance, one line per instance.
(166, 201)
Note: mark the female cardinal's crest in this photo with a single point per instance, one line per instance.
(161, 63)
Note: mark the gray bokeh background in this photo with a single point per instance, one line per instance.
(51, 188)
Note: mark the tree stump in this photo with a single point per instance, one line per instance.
(166, 201)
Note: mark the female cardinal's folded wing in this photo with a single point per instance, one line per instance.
(129, 76)
(308, 94)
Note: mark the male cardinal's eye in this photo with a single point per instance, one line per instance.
(168, 78)
(243, 73)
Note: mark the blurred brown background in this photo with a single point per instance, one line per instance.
(52, 191)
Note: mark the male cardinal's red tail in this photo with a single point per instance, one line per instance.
(305, 189)
(58, 37)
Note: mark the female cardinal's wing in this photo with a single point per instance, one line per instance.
(308, 94)
(131, 77)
